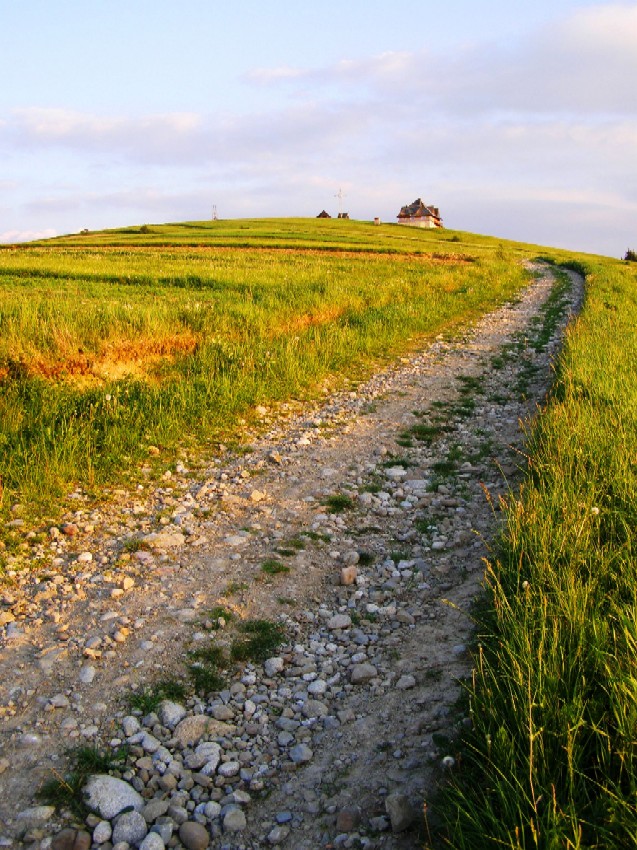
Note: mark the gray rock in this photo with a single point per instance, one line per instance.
(35, 816)
(229, 768)
(339, 621)
(234, 821)
(314, 708)
(154, 809)
(362, 673)
(107, 796)
(170, 713)
(131, 828)
(102, 832)
(273, 666)
(130, 725)
(277, 835)
(301, 753)
(406, 682)
(87, 674)
(401, 813)
(212, 810)
(153, 841)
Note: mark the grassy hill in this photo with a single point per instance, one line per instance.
(118, 341)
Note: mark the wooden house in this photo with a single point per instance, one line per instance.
(419, 214)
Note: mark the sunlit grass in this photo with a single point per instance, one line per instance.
(106, 351)
(551, 760)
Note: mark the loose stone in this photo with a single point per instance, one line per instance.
(194, 836)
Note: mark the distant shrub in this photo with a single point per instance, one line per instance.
(631, 256)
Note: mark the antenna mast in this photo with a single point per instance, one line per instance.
(214, 212)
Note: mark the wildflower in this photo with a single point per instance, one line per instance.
(595, 511)
(525, 585)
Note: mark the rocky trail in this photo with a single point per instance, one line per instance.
(359, 526)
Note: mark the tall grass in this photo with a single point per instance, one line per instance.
(551, 761)
(105, 351)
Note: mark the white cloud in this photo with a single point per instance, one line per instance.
(27, 235)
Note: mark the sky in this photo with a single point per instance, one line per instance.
(516, 119)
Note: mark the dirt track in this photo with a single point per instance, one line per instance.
(423, 451)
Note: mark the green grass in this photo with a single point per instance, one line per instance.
(337, 503)
(551, 761)
(64, 791)
(259, 639)
(148, 698)
(120, 342)
(272, 567)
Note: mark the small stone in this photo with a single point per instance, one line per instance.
(234, 821)
(212, 810)
(222, 712)
(301, 753)
(71, 839)
(401, 813)
(273, 666)
(36, 815)
(85, 557)
(278, 834)
(348, 819)
(170, 713)
(153, 841)
(406, 682)
(194, 835)
(130, 725)
(130, 827)
(362, 673)
(229, 768)
(102, 832)
(339, 621)
(87, 674)
(155, 809)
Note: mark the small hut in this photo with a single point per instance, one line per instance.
(323, 214)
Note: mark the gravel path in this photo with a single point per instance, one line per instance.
(335, 740)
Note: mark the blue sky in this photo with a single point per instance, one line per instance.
(517, 119)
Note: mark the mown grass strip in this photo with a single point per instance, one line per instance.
(551, 760)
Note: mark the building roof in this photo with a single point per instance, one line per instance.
(419, 210)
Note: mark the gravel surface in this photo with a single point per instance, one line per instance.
(337, 737)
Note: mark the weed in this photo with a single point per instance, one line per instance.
(272, 567)
(259, 639)
(425, 433)
(235, 587)
(207, 669)
(220, 615)
(365, 559)
(337, 503)
(148, 698)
